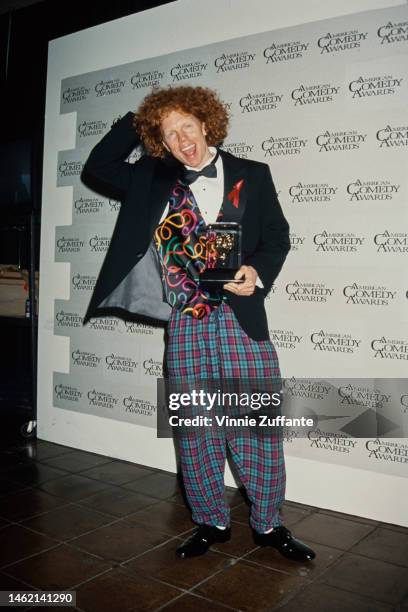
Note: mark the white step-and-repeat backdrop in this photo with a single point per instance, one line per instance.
(325, 104)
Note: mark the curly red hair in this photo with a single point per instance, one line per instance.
(201, 102)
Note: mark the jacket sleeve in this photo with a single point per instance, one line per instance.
(106, 169)
(274, 243)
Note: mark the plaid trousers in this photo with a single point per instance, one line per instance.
(217, 347)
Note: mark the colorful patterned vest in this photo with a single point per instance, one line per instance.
(181, 244)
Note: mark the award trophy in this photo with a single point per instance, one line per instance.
(223, 253)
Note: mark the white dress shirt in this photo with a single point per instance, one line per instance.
(208, 192)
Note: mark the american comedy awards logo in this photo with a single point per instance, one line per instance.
(393, 32)
(392, 137)
(314, 94)
(151, 78)
(371, 190)
(340, 141)
(337, 242)
(389, 348)
(285, 339)
(383, 450)
(391, 242)
(75, 94)
(334, 342)
(286, 51)
(306, 388)
(85, 359)
(356, 395)
(91, 128)
(239, 149)
(338, 443)
(68, 319)
(102, 399)
(255, 102)
(234, 61)
(341, 41)
(305, 193)
(83, 282)
(190, 70)
(108, 324)
(368, 295)
(308, 292)
(283, 145)
(110, 87)
(366, 87)
(118, 363)
(69, 244)
(88, 206)
(70, 168)
(137, 405)
(67, 393)
(99, 244)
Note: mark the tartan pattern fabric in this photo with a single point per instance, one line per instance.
(217, 347)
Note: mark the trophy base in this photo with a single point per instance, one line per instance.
(220, 277)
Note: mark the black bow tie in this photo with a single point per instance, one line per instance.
(210, 171)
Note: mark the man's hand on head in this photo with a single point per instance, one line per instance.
(247, 287)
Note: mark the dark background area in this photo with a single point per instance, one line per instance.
(26, 27)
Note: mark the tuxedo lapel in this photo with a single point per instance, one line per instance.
(235, 188)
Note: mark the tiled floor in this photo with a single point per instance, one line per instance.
(108, 530)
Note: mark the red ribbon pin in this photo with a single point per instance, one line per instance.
(233, 195)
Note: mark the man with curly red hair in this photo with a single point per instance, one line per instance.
(153, 268)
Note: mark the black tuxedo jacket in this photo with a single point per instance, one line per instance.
(130, 277)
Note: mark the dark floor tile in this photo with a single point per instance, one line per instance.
(235, 497)
(248, 587)
(158, 485)
(331, 530)
(165, 516)
(291, 515)
(350, 517)
(8, 460)
(28, 503)
(193, 603)
(120, 541)
(69, 522)
(384, 545)
(59, 568)
(16, 543)
(76, 461)
(120, 590)
(240, 513)
(11, 584)
(368, 577)
(118, 502)
(241, 541)
(8, 583)
(397, 528)
(4, 523)
(293, 504)
(269, 557)
(162, 563)
(9, 486)
(322, 598)
(117, 472)
(33, 473)
(39, 450)
(73, 487)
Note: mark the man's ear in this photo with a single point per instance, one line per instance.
(204, 129)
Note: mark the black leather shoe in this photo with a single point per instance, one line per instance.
(201, 540)
(282, 539)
